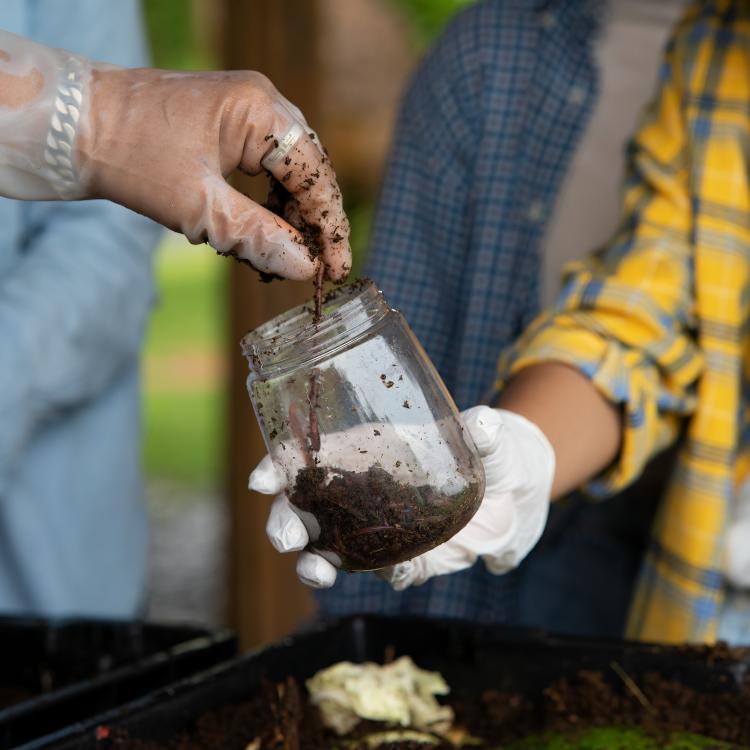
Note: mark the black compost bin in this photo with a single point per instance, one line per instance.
(472, 658)
(54, 673)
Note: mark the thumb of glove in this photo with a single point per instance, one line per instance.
(486, 427)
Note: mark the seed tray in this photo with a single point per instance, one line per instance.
(54, 673)
(471, 657)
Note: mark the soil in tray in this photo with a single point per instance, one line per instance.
(371, 520)
(587, 713)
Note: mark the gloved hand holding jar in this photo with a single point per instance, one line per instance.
(163, 143)
(535, 447)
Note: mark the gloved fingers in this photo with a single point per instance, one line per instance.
(295, 115)
(235, 225)
(278, 157)
(502, 563)
(317, 192)
(294, 111)
(314, 571)
(443, 560)
(303, 169)
(284, 527)
(395, 575)
(266, 478)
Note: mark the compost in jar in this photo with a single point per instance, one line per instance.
(378, 464)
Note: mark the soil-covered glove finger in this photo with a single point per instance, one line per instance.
(314, 571)
(235, 225)
(312, 182)
(284, 528)
(266, 478)
(309, 197)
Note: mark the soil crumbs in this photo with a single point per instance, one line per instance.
(586, 713)
(371, 520)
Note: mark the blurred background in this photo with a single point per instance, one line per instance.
(345, 63)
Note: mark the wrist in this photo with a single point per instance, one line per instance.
(68, 110)
(43, 100)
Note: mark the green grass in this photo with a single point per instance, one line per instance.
(185, 405)
(185, 437)
(428, 17)
(192, 310)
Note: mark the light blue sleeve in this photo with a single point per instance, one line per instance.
(73, 311)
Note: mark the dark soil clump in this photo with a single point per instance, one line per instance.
(282, 203)
(277, 718)
(371, 520)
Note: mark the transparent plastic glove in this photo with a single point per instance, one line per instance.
(737, 553)
(162, 143)
(519, 465)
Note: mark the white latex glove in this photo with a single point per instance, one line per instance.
(162, 143)
(737, 551)
(285, 529)
(519, 466)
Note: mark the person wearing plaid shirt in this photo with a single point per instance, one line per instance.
(658, 320)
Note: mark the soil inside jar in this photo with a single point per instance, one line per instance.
(371, 520)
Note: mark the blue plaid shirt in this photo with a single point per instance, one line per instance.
(486, 132)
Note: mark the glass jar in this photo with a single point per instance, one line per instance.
(378, 463)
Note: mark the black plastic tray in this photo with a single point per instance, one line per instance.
(53, 673)
(466, 654)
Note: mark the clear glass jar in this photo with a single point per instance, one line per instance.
(378, 464)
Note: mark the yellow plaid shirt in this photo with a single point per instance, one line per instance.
(659, 318)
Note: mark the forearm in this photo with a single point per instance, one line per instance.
(583, 427)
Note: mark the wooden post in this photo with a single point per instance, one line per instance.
(266, 599)
(344, 62)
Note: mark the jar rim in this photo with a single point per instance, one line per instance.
(292, 337)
